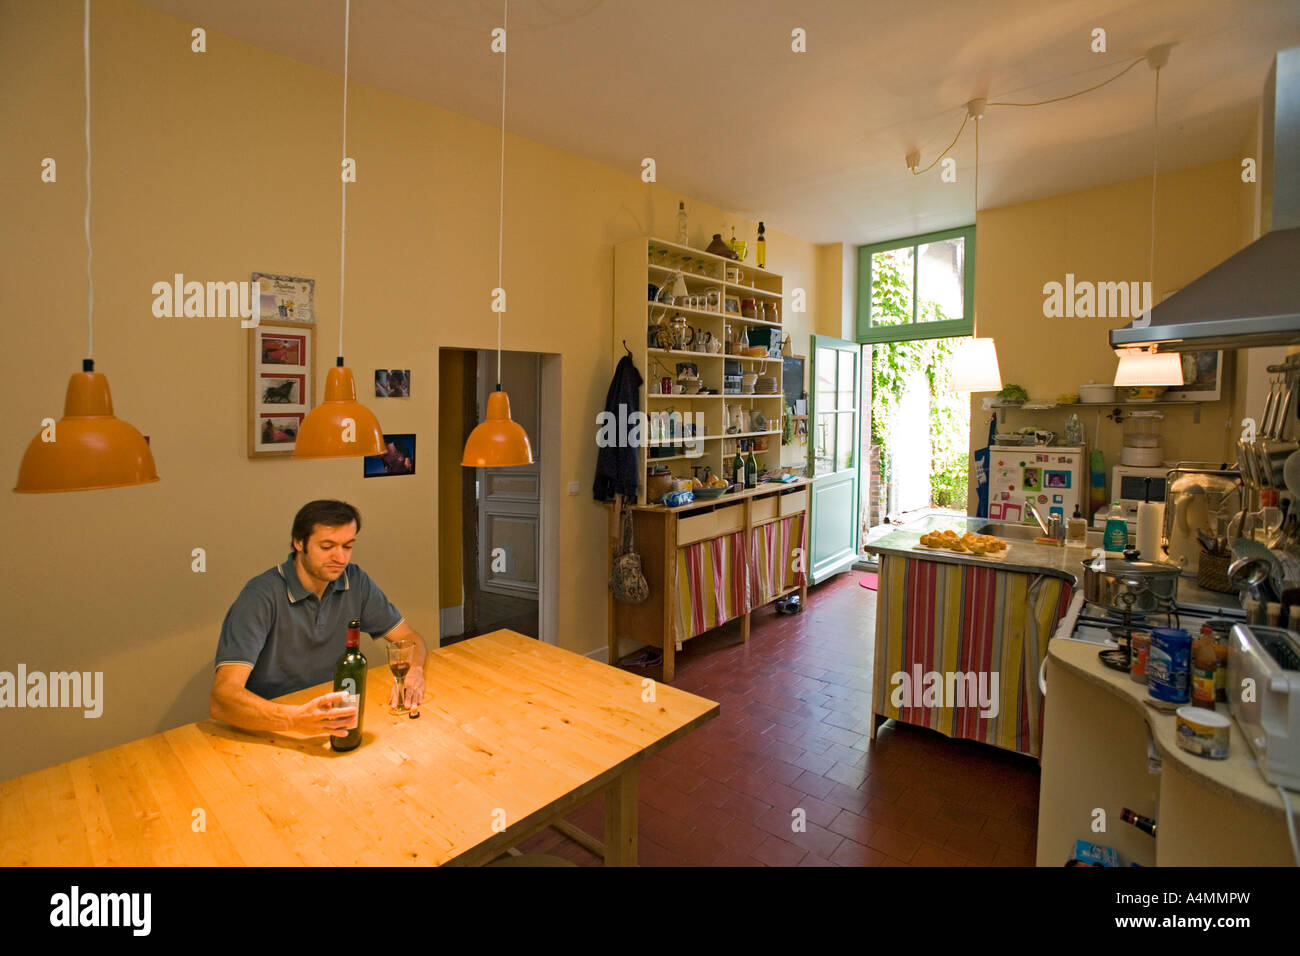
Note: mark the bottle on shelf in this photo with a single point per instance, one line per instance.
(731, 243)
(751, 466)
(761, 250)
(682, 232)
(350, 677)
(738, 467)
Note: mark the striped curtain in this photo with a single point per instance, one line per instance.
(712, 584)
(772, 564)
(959, 618)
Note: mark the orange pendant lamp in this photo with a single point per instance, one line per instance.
(499, 442)
(88, 448)
(340, 426)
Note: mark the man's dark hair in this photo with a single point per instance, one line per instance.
(325, 511)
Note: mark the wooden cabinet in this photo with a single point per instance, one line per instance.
(712, 417)
(711, 562)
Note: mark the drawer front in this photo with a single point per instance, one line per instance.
(794, 502)
(763, 509)
(711, 524)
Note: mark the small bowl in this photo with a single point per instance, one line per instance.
(708, 494)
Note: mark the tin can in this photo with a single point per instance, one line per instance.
(1139, 649)
(1203, 732)
(1169, 664)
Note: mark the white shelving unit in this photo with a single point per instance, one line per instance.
(639, 263)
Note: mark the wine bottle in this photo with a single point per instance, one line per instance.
(738, 467)
(350, 677)
(1145, 824)
(682, 232)
(751, 468)
(761, 252)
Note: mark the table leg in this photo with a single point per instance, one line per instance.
(620, 820)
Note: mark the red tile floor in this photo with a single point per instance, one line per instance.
(792, 732)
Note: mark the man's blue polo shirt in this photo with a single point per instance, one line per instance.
(291, 638)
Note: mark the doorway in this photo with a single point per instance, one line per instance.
(496, 525)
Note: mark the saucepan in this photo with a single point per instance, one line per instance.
(1130, 584)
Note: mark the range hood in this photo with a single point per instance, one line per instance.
(1252, 298)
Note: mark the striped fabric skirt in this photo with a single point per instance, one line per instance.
(958, 649)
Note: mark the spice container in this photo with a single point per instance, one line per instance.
(1139, 650)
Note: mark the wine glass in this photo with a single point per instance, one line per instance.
(400, 656)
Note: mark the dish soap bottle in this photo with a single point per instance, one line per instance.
(1116, 537)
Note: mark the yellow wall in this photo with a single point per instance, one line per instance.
(216, 165)
(1102, 234)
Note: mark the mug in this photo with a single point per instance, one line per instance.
(732, 273)
(716, 346)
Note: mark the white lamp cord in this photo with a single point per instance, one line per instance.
(343, 225)
(1155, 168)
(501, 210)
(90, 278)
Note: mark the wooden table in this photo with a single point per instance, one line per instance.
(513, 734)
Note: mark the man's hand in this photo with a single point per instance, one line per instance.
(321, 715)
(413, 689)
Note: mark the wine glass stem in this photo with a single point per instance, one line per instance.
(401, 697)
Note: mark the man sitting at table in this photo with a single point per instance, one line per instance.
(287, 630)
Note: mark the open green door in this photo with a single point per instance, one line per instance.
(834, 438)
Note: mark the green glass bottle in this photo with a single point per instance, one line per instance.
(738, 467)
(751, 468)
(350, 677)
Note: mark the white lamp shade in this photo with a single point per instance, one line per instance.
(975, 367)
(1140, 367)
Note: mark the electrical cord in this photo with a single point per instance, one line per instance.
(918, 172)
(1057, 99)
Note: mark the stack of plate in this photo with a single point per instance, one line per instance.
(765, 386)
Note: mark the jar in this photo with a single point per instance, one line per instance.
(658, 483)
(1139, 650)
(748, 308)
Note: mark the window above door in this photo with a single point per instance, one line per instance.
(921, 287)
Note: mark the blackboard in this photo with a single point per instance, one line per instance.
(792, 377)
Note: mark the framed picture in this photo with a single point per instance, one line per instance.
(398, 458)
(281, 366)
(1202, 377)
(286, 298)
(392, 383)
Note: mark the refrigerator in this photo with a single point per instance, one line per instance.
(1053, 479)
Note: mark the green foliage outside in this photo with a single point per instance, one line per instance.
(892, 363)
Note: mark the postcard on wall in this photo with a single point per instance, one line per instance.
(398, 458)
(281, 362)
(286, 298)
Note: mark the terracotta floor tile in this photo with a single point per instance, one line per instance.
(927, 827)
(847, 798)
(1008, 834)
(886, 813)
(847, 775)
(1006, 856)
(777, 852)
(812, 783)
(816, 763)
(856, 828)
(962, 817)
(816, 839)
(930, 855)
(781, 796)
(745, 807)
(972, 846)
(781, 772)
(813, 859)
(849, 853)
(894, 843)
(741, 835)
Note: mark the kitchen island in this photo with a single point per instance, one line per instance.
(979, 623)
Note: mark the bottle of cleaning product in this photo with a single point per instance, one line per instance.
(1116, 536)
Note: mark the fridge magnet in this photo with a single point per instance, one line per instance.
(392, 383)
(398, 458)
(286, 298)
(281, 363)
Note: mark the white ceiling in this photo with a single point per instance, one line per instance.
(813, 143)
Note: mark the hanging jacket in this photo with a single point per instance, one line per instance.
(616, 463)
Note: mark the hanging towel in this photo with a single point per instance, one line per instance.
(981, 470)
(616, 466)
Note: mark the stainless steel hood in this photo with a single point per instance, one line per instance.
(1252, 298)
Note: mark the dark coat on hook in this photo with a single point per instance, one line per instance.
(616, 465)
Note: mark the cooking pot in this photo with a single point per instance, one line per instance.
(1129, 584)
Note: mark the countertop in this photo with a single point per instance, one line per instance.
(1020, 555)
(1238, 776)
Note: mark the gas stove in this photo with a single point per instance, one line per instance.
(1092, 623)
